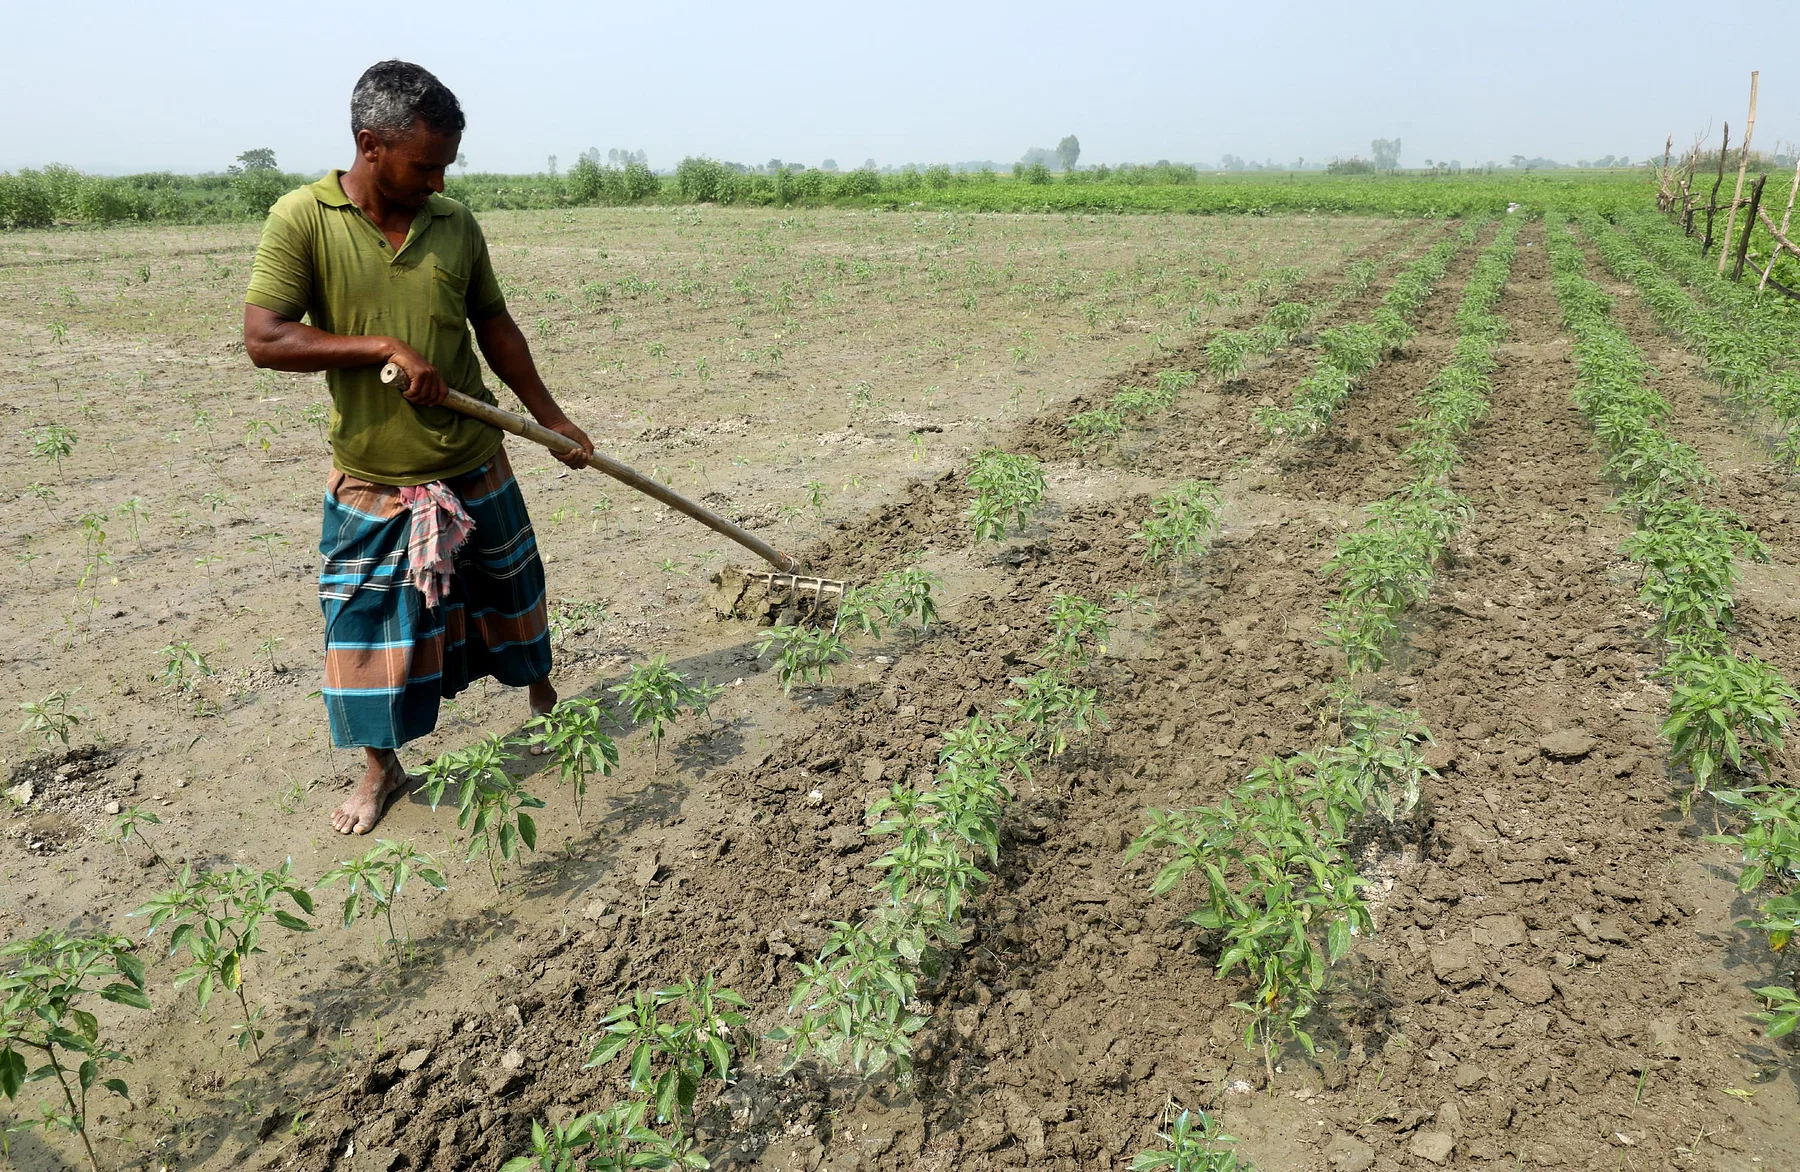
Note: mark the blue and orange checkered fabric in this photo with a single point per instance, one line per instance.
(390, 659)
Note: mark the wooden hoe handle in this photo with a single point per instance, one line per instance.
(562, 445)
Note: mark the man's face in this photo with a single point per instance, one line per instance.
(410, 167)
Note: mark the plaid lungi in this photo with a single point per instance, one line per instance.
(389, 658)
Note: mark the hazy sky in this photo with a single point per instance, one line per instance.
(186, 86)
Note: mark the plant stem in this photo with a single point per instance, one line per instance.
(387, 911)
(248, 1024)
(75, 1113)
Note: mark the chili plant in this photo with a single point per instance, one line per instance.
(854, 1005)
(612, 1140)
(1723, 710)
(1079, 630)
(1273, 880)
(374, 881)
(1783, 1014)
(1008, 488)
(219, 917)
(572, 732)
(1770, 844)
(908, 595)
(1228, 354)
(1380, 762)
(183, 665)
(126, 826)
(491, 803)
(52, 442)
(806, 654)
(1181, 524)
(654, 693)
(40, 1013)
(1053, 710)
(52, 718)
(684, 1029)
(1197, 1143)
(1091, 430)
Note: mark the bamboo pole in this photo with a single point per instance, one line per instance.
(1743, 164)
(1781, 235)
(562, 445)
(1665, 197)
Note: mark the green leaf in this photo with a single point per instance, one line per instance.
(291, 922)
(126, 995)
(116, 1086)
(12, 1072)
(528, 830)
(640, 1067)
(721, 1056)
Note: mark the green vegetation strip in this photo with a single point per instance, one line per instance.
(1743, 349)
(1726, 713)
(37, 198)
(1349, 353)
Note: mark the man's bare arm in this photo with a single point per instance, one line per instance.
(280, 343)
(503, 345)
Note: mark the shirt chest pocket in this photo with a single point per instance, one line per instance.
(449, 298)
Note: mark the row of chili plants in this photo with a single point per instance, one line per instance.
(1771, 318)
(1281, 887)
(1728, 714)
(858, 1003)
(1743, 351)
(1229, 354)
(1348, 353)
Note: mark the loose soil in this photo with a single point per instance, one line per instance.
(1555, 980)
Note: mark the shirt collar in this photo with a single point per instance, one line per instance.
(330, 192)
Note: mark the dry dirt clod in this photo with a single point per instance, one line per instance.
(1434, 1146)
(1350, 1155)
(1568, 744)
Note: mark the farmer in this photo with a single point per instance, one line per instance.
(429, 574)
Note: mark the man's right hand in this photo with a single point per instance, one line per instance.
(425, 387)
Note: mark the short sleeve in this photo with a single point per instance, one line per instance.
(485, 298)
(281, 277)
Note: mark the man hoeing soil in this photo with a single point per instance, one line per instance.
(429, 574)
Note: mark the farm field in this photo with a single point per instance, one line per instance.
(1546, 969)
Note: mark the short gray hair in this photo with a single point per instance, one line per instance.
(391, 97)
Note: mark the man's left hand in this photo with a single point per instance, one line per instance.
(574, 459)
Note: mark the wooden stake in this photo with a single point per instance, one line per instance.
(1737, 270)
(1743, 162)
(1665, 198)
(1712, 201)
(1781, 235)
(1687, 192)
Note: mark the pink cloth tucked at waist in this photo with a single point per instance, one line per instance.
(440, 525)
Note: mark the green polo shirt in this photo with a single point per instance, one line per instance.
(321, 258)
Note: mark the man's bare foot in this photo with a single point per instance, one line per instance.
(368, 801)
(543, 699)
